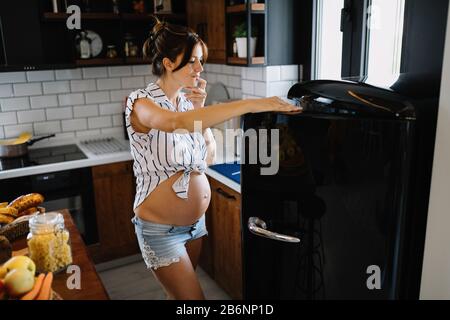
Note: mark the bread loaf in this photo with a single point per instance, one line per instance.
(27, 201)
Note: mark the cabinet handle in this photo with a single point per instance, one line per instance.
(226, 195)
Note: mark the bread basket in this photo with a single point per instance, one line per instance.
(19, 227)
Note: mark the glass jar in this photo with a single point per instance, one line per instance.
(111, 52)
(129, 45)
(49, 243)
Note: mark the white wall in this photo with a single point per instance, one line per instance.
(436, 267)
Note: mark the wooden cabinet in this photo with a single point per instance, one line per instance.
(114, 190)
(221, 254)
(207, 18)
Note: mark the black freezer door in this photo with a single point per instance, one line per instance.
(341, 189)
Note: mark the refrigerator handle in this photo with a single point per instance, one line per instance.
(259, 228)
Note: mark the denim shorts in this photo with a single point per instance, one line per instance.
(164, 244)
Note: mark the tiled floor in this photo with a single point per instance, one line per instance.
(128, 279)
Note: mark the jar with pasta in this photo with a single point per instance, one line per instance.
(49, 243)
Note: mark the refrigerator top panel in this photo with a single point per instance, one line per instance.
(396, 98)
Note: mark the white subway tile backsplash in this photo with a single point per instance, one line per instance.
(212, 78)
(121, 71)
(40, 102)
(142, 70)
(289, 72)
(108, 84)
(110, 108)
(254, 74)
(150, 79)
(65, 135)
(90, 73)
(133, 82)
(85, 111)
(247, 87)
(227, 69)
(31, 116)
(70, 99)
(216, 68)
(119, 95)
(56, 87)
(27, 89)
(234, 81)
(13, 104)
(113, 131)
(59, 113)
(82, 85)
(100, 122)
(97, 97)
(260, 89)
(272, 73)
(89, 101)
(12, 77)
(117, 120)
(237, 94)
(48, 127)
(68, 74)
(222, 79)
(15, 130)
(7, 118)
(45, 75)
(279, 88)
(87, 133)
(74, 125)
(6, 91)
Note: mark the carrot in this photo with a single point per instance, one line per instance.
(46, 289)
(36, 288)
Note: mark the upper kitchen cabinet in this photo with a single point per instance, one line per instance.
(34, 33)
(207, 18)
(22, 46)
(261, 32)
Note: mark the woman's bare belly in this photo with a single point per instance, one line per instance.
(165, 207)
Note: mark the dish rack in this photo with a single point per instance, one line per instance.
(103, 146)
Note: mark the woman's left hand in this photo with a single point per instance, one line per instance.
(197, 95)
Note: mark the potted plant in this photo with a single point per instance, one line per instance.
(240, 35)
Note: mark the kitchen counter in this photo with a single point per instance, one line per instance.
(91, 160)
(95, 160)
(91, 286)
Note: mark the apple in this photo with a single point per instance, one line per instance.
(19, 282)
(20, 262)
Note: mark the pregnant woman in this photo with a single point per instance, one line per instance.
(170, 155)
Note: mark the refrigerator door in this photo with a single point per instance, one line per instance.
(340, 189)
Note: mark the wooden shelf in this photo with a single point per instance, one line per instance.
(84, 16)
(244, 61)
(98, 61)
(50, 16)
(136, 60)
(255, 7)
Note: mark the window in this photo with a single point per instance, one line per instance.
(328, 37)
(385, 34)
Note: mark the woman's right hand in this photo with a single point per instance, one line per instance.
(274, 104)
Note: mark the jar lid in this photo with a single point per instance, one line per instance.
(47, 222)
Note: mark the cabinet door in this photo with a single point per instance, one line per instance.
(114, 189)
(207, 18)
(226, 240)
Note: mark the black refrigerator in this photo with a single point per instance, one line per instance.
(344, 215)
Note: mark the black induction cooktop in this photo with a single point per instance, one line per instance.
(42, 156)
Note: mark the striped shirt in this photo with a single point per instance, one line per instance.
(157, 154)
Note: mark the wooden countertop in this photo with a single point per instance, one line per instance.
(91, 286)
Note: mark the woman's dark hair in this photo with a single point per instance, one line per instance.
(169, 41)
